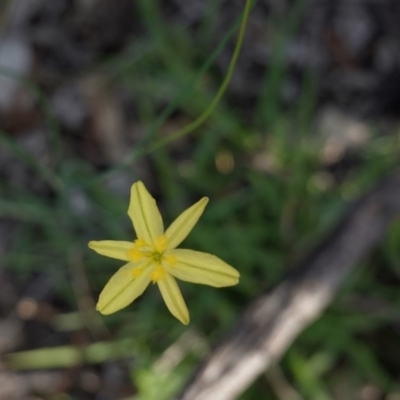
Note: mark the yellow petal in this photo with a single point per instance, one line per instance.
(197, 267)
(144, 213)
(127, 284)
(173, 298)
(182, 226)
(112, 248)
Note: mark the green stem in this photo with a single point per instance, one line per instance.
(141, 148)
(203, 117)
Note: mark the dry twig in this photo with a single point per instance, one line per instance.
(272, 322)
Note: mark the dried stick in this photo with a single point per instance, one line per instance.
(270, 324)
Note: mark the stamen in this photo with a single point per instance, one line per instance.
(157, 274)
(135, 254)
(161, 244)
(140, 243)
(171, 260)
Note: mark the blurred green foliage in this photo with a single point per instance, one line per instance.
(260, 221)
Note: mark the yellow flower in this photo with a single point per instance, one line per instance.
(153, 257)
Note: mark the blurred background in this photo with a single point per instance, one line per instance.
(310, 122)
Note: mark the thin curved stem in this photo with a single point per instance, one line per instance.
(141, 148)
(203, 117)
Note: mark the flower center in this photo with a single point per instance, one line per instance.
(154, 255)
(157, 257)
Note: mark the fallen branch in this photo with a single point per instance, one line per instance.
(272, 322)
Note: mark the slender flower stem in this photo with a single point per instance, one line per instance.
(203, 117)
(142, 149)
